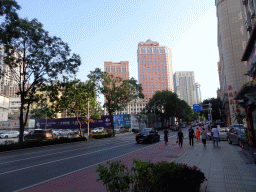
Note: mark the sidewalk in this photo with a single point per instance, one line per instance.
(225, 167)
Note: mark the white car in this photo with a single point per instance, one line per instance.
(66, 133)
(98, 130)
(10, 134)
(119, 130)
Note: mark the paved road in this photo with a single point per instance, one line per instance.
(25, 168)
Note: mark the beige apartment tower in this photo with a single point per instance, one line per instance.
(154, 68)
(184, 86)
(232, 39)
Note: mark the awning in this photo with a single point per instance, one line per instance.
(248, 91)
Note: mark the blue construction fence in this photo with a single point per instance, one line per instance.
(71, 123)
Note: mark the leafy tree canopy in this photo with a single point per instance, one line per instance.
(35, 60)
(117, 92)
(217, 108)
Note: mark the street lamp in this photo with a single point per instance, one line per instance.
(209, 109)
(88, 118)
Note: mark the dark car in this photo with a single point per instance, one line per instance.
(174, 127)
(236, 135)
(147, 136)
(39, 134)
(221, 124)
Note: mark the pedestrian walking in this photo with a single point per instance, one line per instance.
(166, 133)
(198, 132)
(215, 136)
(180, 138)
(204, 137)
(191, 135)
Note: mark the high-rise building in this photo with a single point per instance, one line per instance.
(184, 86)
(232, 39)
(117, 69)
(120, 69)
(154, 68)
(8, 85)
(198, 93)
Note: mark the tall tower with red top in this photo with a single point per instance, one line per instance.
(154, 68)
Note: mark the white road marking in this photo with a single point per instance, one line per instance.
(78, 170)
(47, 155)
(61, 159)
(104, 143)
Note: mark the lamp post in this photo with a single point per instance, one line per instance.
(88, 118)
(209, 109)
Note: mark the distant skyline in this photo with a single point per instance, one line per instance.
(110, 30)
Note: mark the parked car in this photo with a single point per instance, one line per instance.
(133, 129)
(175, 127)
(56, 133)
(236, 125)
(147, 136)
(98, 130)
(66, 133)
(28, 131)
(39, 134)
(221, 124)
(119, 130)
(10, 134)
(236, 135)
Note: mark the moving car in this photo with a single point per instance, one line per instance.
(98, 130)
(236, 135)
(147, 136)
(10, 134)
(119, 130)
(147, 129)
(39, 134)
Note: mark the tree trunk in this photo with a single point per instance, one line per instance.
(21, 121)
(80, 126)
(112, 124)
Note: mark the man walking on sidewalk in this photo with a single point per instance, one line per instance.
(204, 137)
(180, 138)
(215, 136)
(191, 135)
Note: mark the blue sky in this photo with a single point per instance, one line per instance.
(110, 30)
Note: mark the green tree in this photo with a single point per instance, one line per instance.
(117, 92)
(35, 59)
(167, 105)
(141, 117)
(74, 99)
(217, 108)
(10, 20)
(42, 113)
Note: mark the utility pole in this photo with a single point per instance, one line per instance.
(88, 132)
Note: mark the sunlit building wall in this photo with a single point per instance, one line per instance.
(154, 68)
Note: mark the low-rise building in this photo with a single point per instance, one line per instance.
(4, 108)
(131, 108)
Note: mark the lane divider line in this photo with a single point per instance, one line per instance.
(60, 160)
(25, 188)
